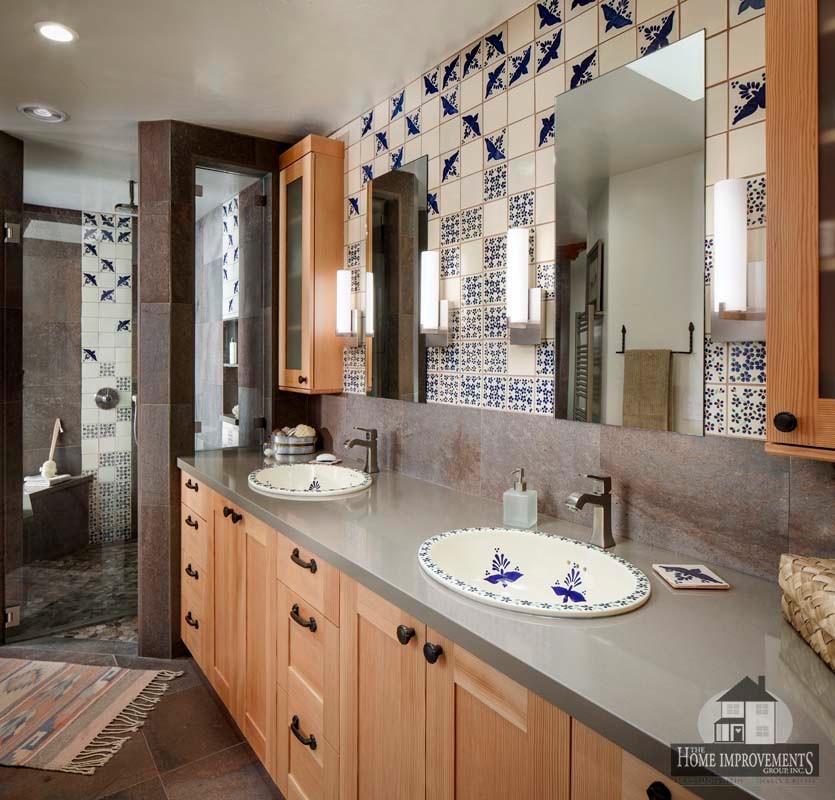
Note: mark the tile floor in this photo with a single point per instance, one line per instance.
(188, 748)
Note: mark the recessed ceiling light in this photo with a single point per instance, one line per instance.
(42, 113)
(56, 32)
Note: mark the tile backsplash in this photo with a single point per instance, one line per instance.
(484, 117)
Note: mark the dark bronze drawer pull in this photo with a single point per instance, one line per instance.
(192, 621)
(305, 623)
(432, 652)
(191, 523)
(192, 573)
(311, 565)
(193, 486)
(230, 512)
(309, 741)
(658, 791)
(404, 634)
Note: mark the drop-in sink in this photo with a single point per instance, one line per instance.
(308, 481)
(534, 572)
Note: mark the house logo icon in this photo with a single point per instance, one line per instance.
(748, 714)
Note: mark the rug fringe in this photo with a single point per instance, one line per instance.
(101, 749)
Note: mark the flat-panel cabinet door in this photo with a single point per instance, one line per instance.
(382, 698)
(487, 736)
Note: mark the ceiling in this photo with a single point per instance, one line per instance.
(273, 68)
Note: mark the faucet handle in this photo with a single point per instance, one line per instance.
(372, 433)
(602, 483)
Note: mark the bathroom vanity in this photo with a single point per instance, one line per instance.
(354, 675)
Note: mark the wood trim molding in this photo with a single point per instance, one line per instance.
(799, 451)
(311, 144)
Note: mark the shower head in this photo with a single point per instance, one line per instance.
(128, 209)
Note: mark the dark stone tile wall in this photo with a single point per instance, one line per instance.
(713, 498)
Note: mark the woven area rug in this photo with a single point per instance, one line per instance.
(70, 717)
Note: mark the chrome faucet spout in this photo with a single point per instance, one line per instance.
(601, 499)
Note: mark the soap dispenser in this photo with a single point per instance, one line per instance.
(519, 503)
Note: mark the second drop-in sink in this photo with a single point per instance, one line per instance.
(534, 572)
(308, 481)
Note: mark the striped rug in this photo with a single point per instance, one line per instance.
(70, 717)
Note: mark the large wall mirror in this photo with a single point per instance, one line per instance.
(397, 235)
(630, 195)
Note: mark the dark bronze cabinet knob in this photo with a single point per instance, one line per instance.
(785, 422)
(404, 634)
(302, 379)
(432, 652)
(658, 791)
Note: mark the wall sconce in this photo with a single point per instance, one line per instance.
(434, 312)
(738, 309)
(524, 304)
(350, 322)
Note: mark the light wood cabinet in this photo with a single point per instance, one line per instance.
(311, 235)
(800, 153)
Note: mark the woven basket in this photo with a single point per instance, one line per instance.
(808, 586)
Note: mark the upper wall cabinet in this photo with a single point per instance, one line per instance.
(310, 253)
(800, 134)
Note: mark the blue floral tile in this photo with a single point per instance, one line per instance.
(432, 204)
(544, 396)
(471, 60)
(413, 123)
(520, 210)
(470, 322)
(355, 280)
(353, 207)
(450, 229)
(471, 290)
(450, 262)
(353, 358)
(366, 124)
(470, 126)
(495, 148)
(455, 324)
(520, 394)
(495, 46)
(746, 99)
(756, 202)
(716, 402)
(546, 358)
(548, 51)
(495, 79)
(470, 390)
(546, 280)
(495, 283)
(451, 166)
(366, 174)
(448, 389)
(381, 142)
(616, 16)
(658, 32)
(495, 322)
(548, 14)
(433, 358)
(545, 134)
(397, 102)
(449, 358)
(353, 382)
(746, 362)
(430, 83)
(449, 104)
(354, 255)
(470, 360)
(494, 392)
(495, 252)
(708, 260)
(396, 157)
(519, 67)
(746, 412)
(494, 356)
(495, 182)
(450, 72)
(471, 223)
(582, 69)
(716, 358)
(432, 387)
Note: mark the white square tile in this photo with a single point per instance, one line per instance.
(520, 29)
(471, 189)
(580, 33)
(495, 114)
(619, 50)
(412, 149)
(546, 242)
(716, 59)
(545, 164)
(521, 173)
(545, 204)
(431, 143)
(381, 115)
(429, 114)
(471, 257)
(548, 86)
(472, 155)
(433, 234)
(716, 160)
(495, 217)
(413, 95)
(651, 8)
(746, 47)
(450, 197)
(709, 211)
(367, 149)
(451, 290)
(354, 156)
(710, 15)
(716, 105)
(521, 360)
(397, 132)
(746, 150)
(450, 136)
(521, 137)
(434, 172)
(471, 91)
(520, 101)
(353, 181)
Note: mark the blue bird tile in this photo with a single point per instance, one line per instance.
(548, 50)
(519, 66)
(381, 142)
(413, 123)
(471, 60)
(548, 14)
(430, 83)
(397, 104)
(366, 124)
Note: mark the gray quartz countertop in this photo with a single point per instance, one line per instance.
(639, 679)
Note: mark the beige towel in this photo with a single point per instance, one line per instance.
(647, 389)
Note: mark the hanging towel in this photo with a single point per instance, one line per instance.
(647, 389)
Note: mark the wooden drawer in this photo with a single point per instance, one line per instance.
(313, 579)
(637, 776)
(194, 536)
(196, 495)
(192, 608)
(310, 774)
(194, 580)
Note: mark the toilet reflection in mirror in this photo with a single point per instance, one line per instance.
(630, 178)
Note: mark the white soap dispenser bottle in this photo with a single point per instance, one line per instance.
(520, 503)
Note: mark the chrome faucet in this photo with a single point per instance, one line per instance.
(369, 442)
(601, 499)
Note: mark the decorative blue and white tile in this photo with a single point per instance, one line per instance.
(495, 252)
(470, 290)
(107, 296)
(430, 83)
(545, 133)
(450, 229)
(495, 322)
(470, 126)
(107, 235)
(546, 358)
(494, 355)
(471, 223)
(355, 280)
(123, 222)
(716, 408)
(451, 72)
(455, 324)
(89, 219)
(106, 221)
(448, 389)
(548, 14)
(520, 392)
(88, 354)
(746, 414)
(353, 382)
(366, 124)
(470, 390)
(449, 358)
(546, 280)
(520, 210)
(89, 249)
(470, 360)
(756, 201)
(397, 104)
(495, 147)
(432, 204)
(432, 387)
(471, 59)
(494, 392)
(353, 207)
(658, 32)
(495, 45)
(615, 16)
(470, 321)
(89, 279)
(450, 166)
(746, 362)
(740, 11)
(519, 66)
(381, 141)
(450, 262)
(124, 236)
(366, 174)
(433, 358)
(413, 123)
(353, 358)
(449, 103)
(396, 157)
(544, 396)
(90, 235)
(495, 283)
(495, 182)
(716, 359)
(548, 51)
(708, 260)
(746, 99)
(495, 79)
(354, 255)
(582, 69)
